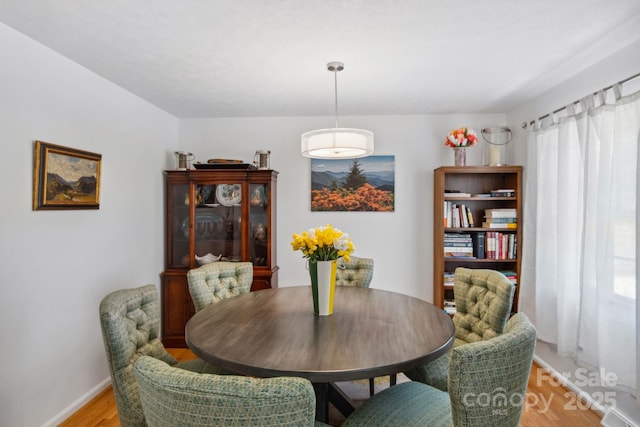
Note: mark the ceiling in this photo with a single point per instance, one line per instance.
(244, 58)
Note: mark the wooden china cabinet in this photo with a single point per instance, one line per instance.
(222, 212)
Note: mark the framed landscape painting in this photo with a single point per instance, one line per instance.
(353, 185)
(65, 178)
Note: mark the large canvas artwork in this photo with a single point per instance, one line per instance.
(65, 178)
(364, 184)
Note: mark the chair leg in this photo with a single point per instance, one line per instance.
(393, 378)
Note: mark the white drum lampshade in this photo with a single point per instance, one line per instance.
(342, 143)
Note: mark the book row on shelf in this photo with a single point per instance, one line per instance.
(500, 218)
(457, 215)
(450, 307)
(497, 245)
(458, 245)
(483, 245)
(450, 303)
(449, 277)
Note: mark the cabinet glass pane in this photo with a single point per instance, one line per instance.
(179, 241)
(259, 224)
(218, 221)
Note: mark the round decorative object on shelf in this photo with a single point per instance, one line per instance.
(260, 232)
(229, 194)
(208, 258)
(206, 225)
(256, 198)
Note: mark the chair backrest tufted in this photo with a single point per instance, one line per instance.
(487, 385)
(488, 379)
(130, 321)
(483, 303)
(175, 397)
(356, 272)
(216, 281)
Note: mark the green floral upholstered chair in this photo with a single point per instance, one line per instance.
(483, 306)
(216, 281)
(130, 320)
(356, 272)
(487, 385)
(174, 397)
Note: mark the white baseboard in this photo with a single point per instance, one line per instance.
(616, 419)
(79, 403)
(618, 406)
(586, 397)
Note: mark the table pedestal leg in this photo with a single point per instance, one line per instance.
(322, 401)
(330, 393)
(340, 400)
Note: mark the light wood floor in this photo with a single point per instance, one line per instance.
(547, 404)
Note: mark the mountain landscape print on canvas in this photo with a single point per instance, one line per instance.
(353, 185)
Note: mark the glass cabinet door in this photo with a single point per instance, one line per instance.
(178, 198)
(217, 223)
(259, 224)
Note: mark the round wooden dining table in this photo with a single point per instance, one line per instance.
(274, 332)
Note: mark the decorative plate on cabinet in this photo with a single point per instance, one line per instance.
(207, 225)
(229, 194)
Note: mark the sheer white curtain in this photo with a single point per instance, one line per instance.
(579, 255)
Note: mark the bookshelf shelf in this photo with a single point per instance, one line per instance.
(460, 199)
(469, 229)
(474, 180)
(479, 260)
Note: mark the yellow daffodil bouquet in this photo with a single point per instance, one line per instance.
(323, 244)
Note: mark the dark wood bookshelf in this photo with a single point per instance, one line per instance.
(474, 180)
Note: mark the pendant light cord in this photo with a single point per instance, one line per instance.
(335, 79)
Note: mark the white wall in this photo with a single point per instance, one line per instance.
(401, 242)
(57, 265)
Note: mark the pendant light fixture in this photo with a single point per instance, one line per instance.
(337, 143)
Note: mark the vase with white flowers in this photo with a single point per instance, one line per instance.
(322, 247)
(459, 139)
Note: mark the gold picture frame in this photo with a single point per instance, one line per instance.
(65, 178)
